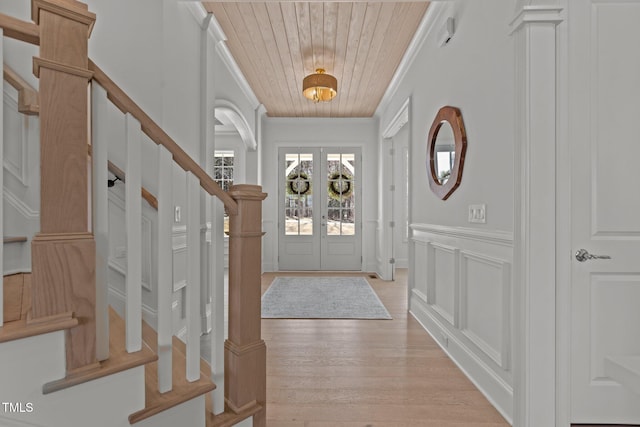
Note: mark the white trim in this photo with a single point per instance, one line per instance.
(19, 171)
(229, 111)
(19, 205)
(504, 238)
(535, 347)
(398, 121)
(150, 315)
(432, 296)
(497, 391)
(501, 358)
(427, 25)
(551, 14)
(9, 422)
(215, 30)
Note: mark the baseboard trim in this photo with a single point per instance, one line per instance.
(497, 391)
(149, 315)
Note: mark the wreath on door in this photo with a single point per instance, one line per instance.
(340, 186)
(298, 184)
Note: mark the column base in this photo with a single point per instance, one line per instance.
(63, 280)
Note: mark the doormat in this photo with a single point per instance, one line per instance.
(322, 298)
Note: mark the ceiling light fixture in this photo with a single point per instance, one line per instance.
(320, 86)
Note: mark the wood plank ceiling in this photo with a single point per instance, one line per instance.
(277, 44)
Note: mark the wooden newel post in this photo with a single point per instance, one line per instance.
(245, 356)
(63, 253)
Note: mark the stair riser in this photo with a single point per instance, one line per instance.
(27, 364)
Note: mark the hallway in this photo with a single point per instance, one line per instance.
(366, 373)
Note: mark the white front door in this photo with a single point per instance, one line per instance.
(320, 218)
(604, 89)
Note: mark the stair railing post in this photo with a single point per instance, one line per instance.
(63, 253)
(245, 351)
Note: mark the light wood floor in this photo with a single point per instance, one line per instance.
(366, 373)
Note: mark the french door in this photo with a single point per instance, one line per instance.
(320, 209)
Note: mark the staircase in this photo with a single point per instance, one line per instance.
(66, 357)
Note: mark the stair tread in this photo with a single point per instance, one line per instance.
(229, 418)
(14, 239)
(19, 329)
(182, 390)
(119, 359)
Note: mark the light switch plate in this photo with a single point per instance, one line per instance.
(478, 214)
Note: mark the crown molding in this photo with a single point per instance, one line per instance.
(427, 25)
(199, 13)
(551, 14)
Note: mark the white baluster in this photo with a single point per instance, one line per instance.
(165, 268)
(99, 148)
(1, 187)
(219, 329)
(134, 235)
(193, 277)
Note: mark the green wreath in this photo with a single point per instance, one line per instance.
(340, 187)
(298, 184)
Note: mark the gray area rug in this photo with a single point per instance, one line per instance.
(322, 298)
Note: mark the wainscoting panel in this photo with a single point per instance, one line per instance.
(460, 291)
(485, 305)
(442, 280)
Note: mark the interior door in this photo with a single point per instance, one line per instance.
(320, 225)
(603, 116)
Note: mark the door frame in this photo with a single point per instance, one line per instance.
(385, 241)
(319, 237)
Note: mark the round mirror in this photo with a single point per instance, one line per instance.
(447, 145)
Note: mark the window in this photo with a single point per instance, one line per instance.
(223, 163)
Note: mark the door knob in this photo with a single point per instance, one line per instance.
(583, 255)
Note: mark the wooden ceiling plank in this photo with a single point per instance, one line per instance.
(285, 55)
(270, 50)
(373, 78)
(304, 34)
(366, 38)
(226, 15)
(259, 54)
(342, 34)
(330, 30)
(289, 17)
(410, 17)
(358, 12)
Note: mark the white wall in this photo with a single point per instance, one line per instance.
(319, 132)
(460, 273)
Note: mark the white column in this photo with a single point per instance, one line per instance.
(219, 321)
(193, 277)
(99, 148)
(534, 31)
(133, 202)
(165, 269)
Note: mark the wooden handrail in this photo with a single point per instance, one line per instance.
(146, 194)
(20, 30)
(160, 137)
(27, 96)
